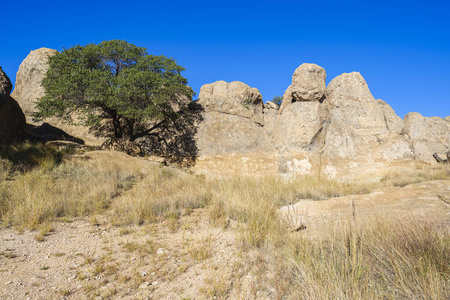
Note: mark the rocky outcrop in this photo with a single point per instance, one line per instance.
(232, 119)
(300, 119)
(28, 90)
(270, 113)
(316, 128)
(427, 135)
(234, 98)
(336, 130)
(28, 86)
(12, 119)
(301, 113)
(308, 84)
(357, 124)
(5, 83)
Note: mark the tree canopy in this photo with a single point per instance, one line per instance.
(114, 80)
(277, 100)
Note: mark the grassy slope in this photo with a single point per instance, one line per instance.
(384, 259)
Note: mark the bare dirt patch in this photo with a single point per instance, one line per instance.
(92, 259)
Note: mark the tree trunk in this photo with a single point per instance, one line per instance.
(129, 129)
(118, 133)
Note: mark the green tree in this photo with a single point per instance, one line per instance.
(277, 100)
(114, 80)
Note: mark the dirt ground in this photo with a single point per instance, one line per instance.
(187, 258)
(90, 259)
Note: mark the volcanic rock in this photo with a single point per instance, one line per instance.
(232, 119)
(270, 113)
(357, 123)
(428, 135)
(234, 98)
(308, 84)
(28, 88)
(12, 119)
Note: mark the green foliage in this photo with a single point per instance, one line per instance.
(114, 80)
(277, 100)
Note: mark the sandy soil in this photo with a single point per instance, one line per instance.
(90, 259)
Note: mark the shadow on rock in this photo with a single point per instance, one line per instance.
(46, 132)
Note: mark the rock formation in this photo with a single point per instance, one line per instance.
(308, 84)
(28, 89)
(336, 129)
(300, 119)
(270, 113)
(28, 86)
(427, 135)
(12, 119)
(357, 124)
(232, 120)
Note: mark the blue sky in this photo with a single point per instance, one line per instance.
(401, 48)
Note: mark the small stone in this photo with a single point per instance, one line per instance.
(8, 282)
(143, 273)
(144, 285)
(154, 282)
(72, 277)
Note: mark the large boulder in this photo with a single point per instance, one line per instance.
(5, 83)
(28, 88)
(308, 84)
(234, 98)
(300, 119)
(232, 119)
(12, 119)
(427, 135)
(357, 123)
(301, 113)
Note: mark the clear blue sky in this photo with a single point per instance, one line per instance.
(402, 48)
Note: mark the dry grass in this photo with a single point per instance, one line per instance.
(383, 259)
(422, 172)
(70, 189)
(399, 259)
(165, 193)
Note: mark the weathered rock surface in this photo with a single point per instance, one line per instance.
(232, 119)
(418, 200)
(5, 83)
(300, 119)
(31, 72)
(12, 119)
(357, 123)
(234, 98)
(316, 128)
(337, 130)
(29, 89)
(308, 84)
(270, 113)
(427, 135)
